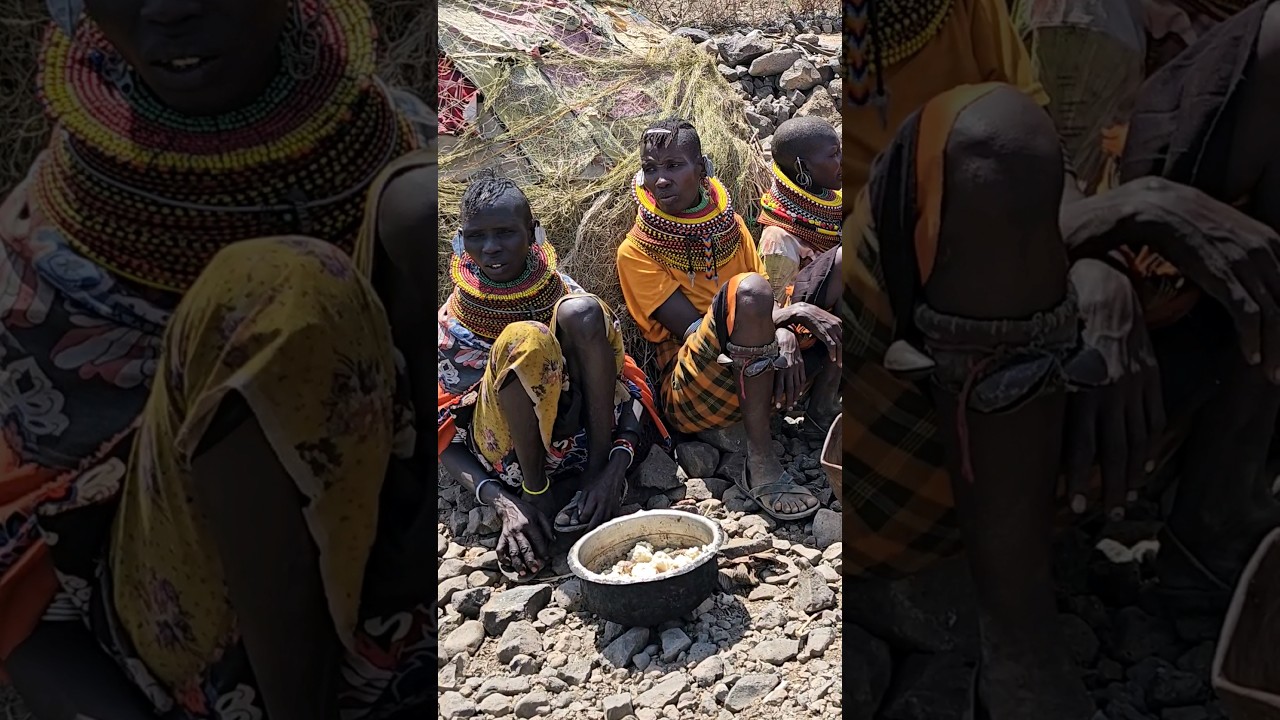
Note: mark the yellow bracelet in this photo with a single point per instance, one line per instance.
(548, 487)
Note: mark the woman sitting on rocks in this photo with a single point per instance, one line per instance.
(204, 446)
(538, 401)
(728, 353)
(801, 215)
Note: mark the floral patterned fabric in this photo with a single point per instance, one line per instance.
(105, 389)
(471, 370)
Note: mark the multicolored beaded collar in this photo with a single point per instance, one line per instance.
(153, 195)
(882, 33)
(813, 220)
(674, 241)
(485, 307)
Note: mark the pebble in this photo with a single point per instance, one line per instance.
(525, 665)
(641, 661)
(818, 641)
(520, 638)
(828, 573)
(454, 705)
(764, 592)
(521, 603)
(577, 672)
(495, 706)
(674, 642)
(812, 595)
(770, 617)
(809, 554)
(532, 705)
(700, 651)
(451, 675)
(441, 544)
(664, 692)
(742, 547)
(509, 686)
(568, 595)
(617, 707)
(468, 602)
(625, 647)
(708, 671)
(446, 588)
(827, 528)
(777, 651)
(467, 638)
(552, 616)
(750, 689)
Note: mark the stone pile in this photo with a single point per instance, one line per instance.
(766, 644)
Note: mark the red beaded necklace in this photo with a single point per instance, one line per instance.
(486, 308)
(675, 241)
(814, 221)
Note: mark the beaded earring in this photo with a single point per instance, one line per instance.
(457, 244)
(708, 166)
(301, 44)
(539, 234)
(113, 69)
(66, 14)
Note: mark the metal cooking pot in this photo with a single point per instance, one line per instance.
(832, 462)
(649, 601)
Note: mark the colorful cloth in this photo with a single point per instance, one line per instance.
(107, 383)
(473, 370)
(977, 43)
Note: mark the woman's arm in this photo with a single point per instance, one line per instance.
(467, 470)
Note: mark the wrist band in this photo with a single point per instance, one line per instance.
(625, 446)
(480, 485)
(544, 488)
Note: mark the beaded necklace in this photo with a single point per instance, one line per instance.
(814, 221)
(486, 307)
(881, 33)
(153, 195)
(674, 241)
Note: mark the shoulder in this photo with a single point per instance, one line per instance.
(407, 206)
(423, 119)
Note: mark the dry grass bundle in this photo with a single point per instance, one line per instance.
(586, 214)
(407, 43)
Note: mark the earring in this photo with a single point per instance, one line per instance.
(457, 244)
(803, 179)
(301, 44)
(708, 166)
(539, 234)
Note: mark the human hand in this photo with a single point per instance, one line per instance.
(602, 496)
(788, 381)
(525, 537)
(821, 324)
(1118, 424)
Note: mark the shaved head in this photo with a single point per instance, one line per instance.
(801, 137)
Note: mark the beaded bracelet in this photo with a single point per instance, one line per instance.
(625, 446)
(544, 488)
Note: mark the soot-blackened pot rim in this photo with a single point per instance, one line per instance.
(586, 575)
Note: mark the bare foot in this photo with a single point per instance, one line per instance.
(765, 469)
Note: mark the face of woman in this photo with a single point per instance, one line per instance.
(822, 160)
(673, 176)
(199, 57)
(498, 239)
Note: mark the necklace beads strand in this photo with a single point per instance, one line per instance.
(486, 308)
(153, 195)
(813, 220)
(673, 240)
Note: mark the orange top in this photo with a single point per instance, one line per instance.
(977, 44)
(646, 284)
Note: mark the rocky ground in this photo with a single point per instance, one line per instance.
(913, 657)
(766, 644)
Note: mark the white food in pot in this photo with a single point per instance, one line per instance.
(644, 562)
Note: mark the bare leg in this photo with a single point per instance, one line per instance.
(517, 407)
(272, 570)
(1010, 269)
(753, 326)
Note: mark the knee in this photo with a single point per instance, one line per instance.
(753, 298)
(580, 321)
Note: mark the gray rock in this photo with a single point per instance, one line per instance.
(777, 651)
(697, 458)
(467, 638)
(622, 649)
(611, 631)
(451, 567)
(664, 692)
(441, 544)
(468, 602)
(868, 670)
(775, 63)
(658, 471)
(771, 616)
(812, 595)
(694, 35)
(820, 105)
(495, 706)
(658, 502)
(487, 560)
(568, 595)
(520, 638)
(802, 76)
(728, 73)
(509, 686)
(833, 551)
(532, 705)
(807, 38)
(617, 707)
(523, 664)
(750, 689)
(1138, 635)
(1079, 638)
(827, 528)
(818, 641)
(1175, 688)
(454, 705)
(730, 439)
(482, 578)
(764, 592)
(701, 651)
(452, 675)
(931, 687)
(740, 50)
(797, 99)
(741, 547)
(674, 642)
(521, 603)
(446, 589)
(732, 465)
(483, 520)
(933, 611)
(765, 126)
(641, 661)
(717, 486)
(696, 489)
(552, 616)
(576, 672)
(708, 671)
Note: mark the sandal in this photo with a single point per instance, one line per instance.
(784, 484)
(1210, 595)
(567, 520)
